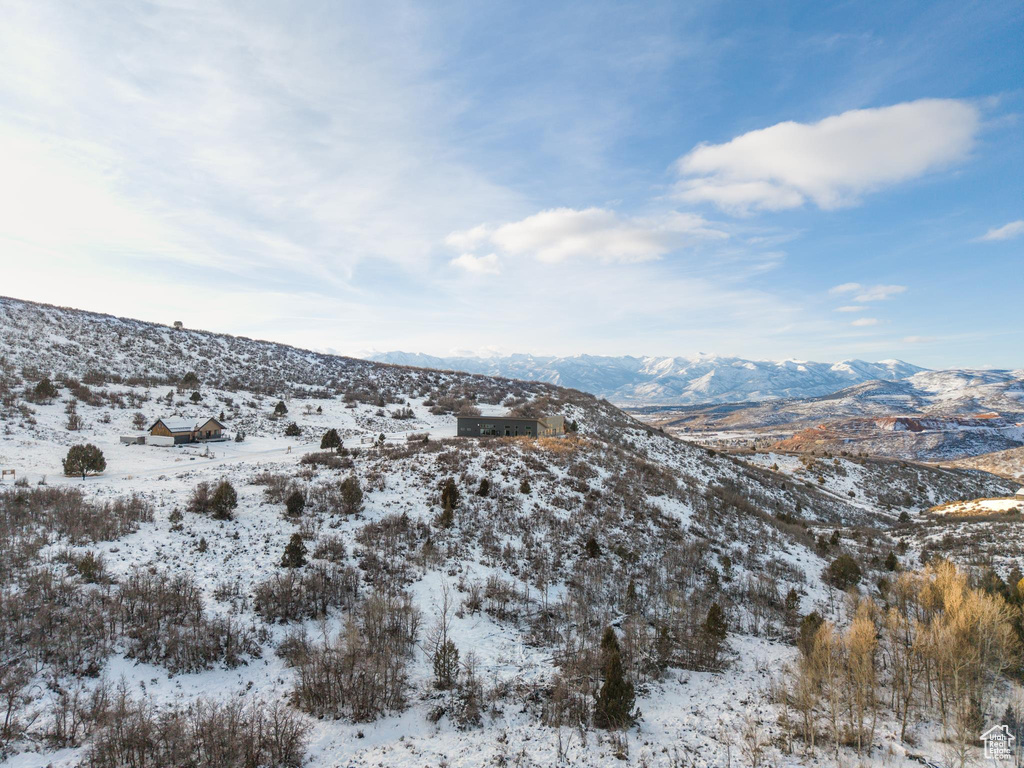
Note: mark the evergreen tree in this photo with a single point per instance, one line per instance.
(592, 548)
(295, 504)
(196, 397)
(614, 707)
(524, 487)
(188, 381)
(292, 430)
(485, 488)
(280, 409)
(44, 391)
(892, 563)
(330, 441)
(446, 665)
(809, 627)
(351, 495)
(842, 573)
(223, 501)
(792, 602)
(715, 630)
(294, 553)
(84, 460)
(449, 495)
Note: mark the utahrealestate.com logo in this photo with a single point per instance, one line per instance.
(998, 742)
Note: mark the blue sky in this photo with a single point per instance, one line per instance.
(776, 180)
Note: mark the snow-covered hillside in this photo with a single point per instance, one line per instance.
(130, 596)
(933, 415)
(672, 380)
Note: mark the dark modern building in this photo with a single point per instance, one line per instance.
(510, 426)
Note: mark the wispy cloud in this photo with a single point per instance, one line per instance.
(1005, 232)
(831, 163)
(867, 293)
(562, 234)
(861, 322)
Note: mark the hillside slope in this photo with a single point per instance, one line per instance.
(137, 589)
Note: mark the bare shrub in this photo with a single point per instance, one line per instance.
(307, 594)
(360, 673)
(238, 733)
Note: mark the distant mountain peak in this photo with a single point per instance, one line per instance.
(681, 380)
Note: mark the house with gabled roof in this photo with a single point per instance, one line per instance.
(173, 430)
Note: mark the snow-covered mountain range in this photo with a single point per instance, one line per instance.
(673, 380)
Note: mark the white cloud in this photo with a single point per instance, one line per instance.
(864, 321)
(478, 265)
(845, 288)
(469, 239)
(1005, 232)
(832, 162)
(602, 235)
(880, 292)
(850, 309)
(918, 339)
(865, 293)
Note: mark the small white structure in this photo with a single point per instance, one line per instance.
(164, 441)
(133, 439)
(1019, 494)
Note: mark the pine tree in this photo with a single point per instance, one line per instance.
(223, 501)
(196, 397)
(524, 487)
(449, 495)
(614, 707)
(485, 488)
(84, 460)
(592, 548)
(809, 627)
(351, 495)
(280, 409)
(715, 631)
(842, 573)
(330, 441)
(295, 504)
(44, 391)
(294, 553)
(188, 381)
(446, 665)
(292, 430)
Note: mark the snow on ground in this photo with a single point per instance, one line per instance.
(692, 713)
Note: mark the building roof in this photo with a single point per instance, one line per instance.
(178, 424)
(1020, 492)
(506, 418)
